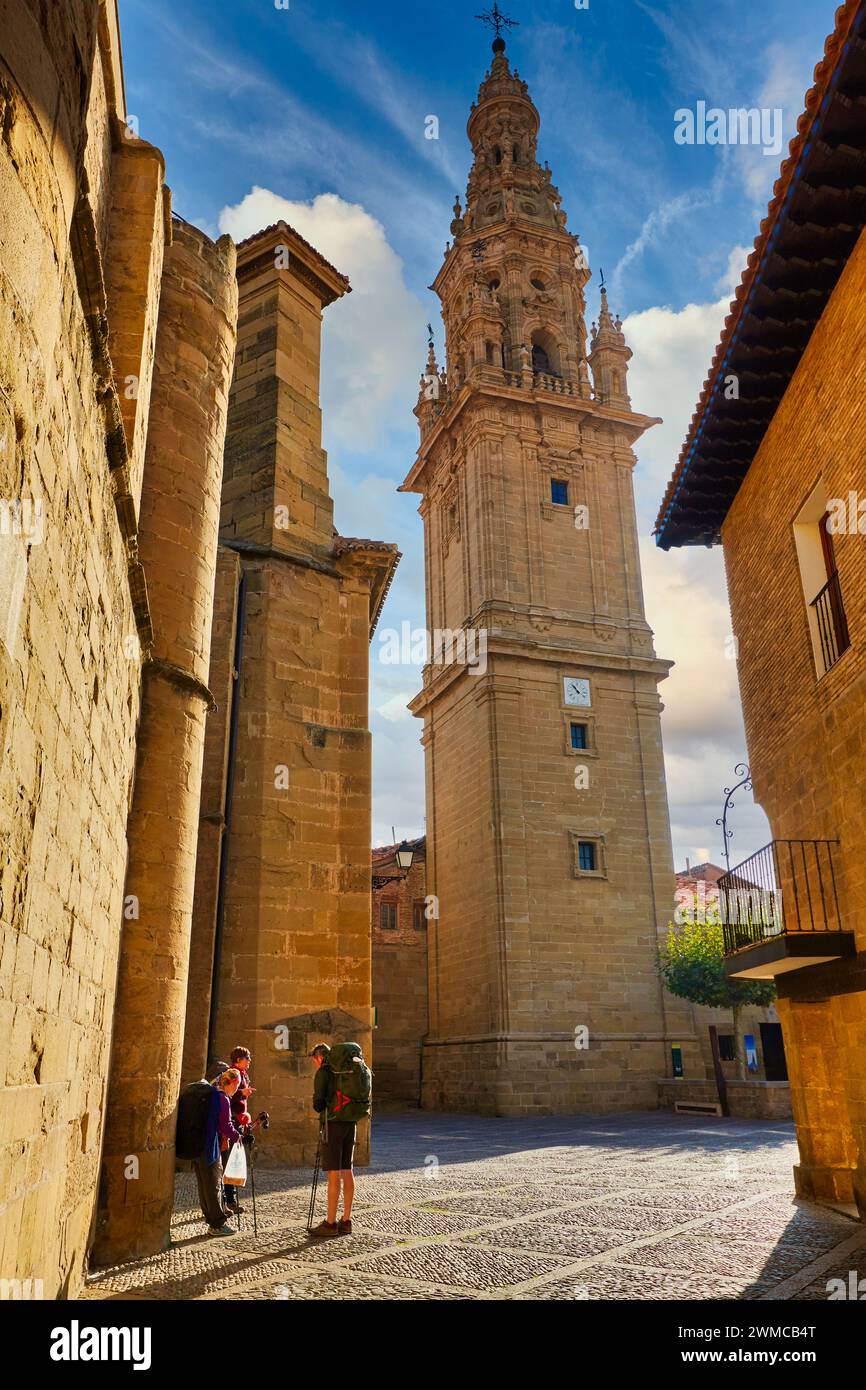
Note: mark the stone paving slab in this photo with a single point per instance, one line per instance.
(818, 1288)
(699, 1253)
(467, 1266)
(332, 1286)
(501, 1205)
(604, 1282)
(637, 1206)
(408, 1222)
(550, 1238)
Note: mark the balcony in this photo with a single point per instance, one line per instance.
(780, 910)
(832, 624)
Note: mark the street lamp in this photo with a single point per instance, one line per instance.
(404, 856)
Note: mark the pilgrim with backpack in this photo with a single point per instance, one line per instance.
(342, 1095)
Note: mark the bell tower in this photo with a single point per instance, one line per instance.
(548, 843)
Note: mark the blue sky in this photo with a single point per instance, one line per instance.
(323, 111)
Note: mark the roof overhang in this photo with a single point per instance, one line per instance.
(814, 220)
(378, 560)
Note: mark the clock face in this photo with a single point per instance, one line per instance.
(576, 691)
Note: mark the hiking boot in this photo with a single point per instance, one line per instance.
(345, 1226)
(325, 1230)
(221, 1230)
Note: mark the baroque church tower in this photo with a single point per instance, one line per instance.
(548, 842)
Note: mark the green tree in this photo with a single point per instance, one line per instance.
(692, 966)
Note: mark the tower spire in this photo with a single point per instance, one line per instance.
(609, 356)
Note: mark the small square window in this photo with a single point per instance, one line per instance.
(388, 916)
(578, 734)
(559, 492)
(586, 856)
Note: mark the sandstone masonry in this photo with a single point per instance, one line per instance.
(548, 844)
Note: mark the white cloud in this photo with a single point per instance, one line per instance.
(656, 224)
(394, 710)
(373, 346)
(686, 598)
(783, 90)
(728, 282)
(672, 353)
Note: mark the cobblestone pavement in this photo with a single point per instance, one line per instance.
(637, 1206)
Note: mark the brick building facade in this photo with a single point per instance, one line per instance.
(777, 474)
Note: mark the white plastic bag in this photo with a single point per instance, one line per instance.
(235, 1174)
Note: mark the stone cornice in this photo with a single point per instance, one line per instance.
(525, 646)
(594, 413)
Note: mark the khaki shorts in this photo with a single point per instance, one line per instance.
(338, 1148)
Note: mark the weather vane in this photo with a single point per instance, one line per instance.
(497, 21)
(601, 274)
(429, 335)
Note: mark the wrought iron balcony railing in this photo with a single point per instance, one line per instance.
(832, 623)
(789, 886)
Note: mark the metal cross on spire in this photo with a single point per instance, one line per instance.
(497, 20)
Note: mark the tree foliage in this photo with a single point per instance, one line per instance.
(692, 967)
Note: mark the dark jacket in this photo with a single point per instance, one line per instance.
(327, 1095)
(321, 1086)
(219, 1126)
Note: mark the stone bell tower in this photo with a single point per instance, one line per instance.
(548, 844)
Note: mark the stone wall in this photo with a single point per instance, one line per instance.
(399, 981)
(747, 1100)
(87, 602)
(71, 610)
(525, 950)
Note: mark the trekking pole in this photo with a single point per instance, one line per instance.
(253, 1191)
(315, 1183)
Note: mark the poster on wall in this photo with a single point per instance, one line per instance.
(751, 1052)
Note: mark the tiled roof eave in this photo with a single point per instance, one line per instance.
(798, 310)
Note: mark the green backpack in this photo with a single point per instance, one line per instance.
(350, 1083)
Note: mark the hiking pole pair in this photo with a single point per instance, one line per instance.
(316, 1172)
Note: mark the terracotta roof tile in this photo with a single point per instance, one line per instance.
(834, 48)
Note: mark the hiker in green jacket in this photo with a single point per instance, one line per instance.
(341, 1096)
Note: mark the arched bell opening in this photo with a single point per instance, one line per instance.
(545, 353)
